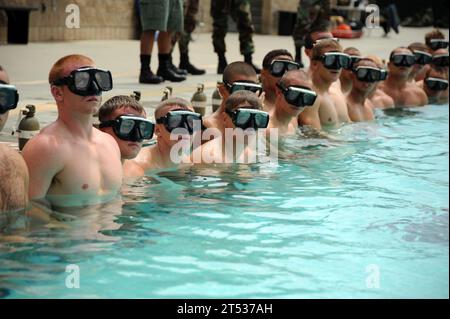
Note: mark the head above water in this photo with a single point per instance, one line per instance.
(243, 110)
(4, 79)
(433, 35)
(116, 107)
(318, 68)
(404, 70)
(359, 86)
(280, 54)
(318, 33)
(297, 79)
(236, 72)
(162, 111)
(268, 79)
(66, 100)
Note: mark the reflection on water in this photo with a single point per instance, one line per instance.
(367, 193)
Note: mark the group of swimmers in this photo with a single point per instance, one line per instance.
(71, 158)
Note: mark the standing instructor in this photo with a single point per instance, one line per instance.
(240, 11)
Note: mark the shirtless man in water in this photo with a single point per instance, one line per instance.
(397, 85)
(327, 63)
(275, 64)
(71, 163)
(236, 76)
(294, 96)
(365, 77)
(436, 86)
(171, 115)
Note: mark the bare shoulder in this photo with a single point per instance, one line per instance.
(132, 170)
(105, 139)
(144, 155)
(46, 145)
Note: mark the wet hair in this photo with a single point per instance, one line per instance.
(324, 46)
(241, 97)
(57, 70)
(175, 101)
(399, 48)
(366, 59)
(320, 28)
(296, 74)
(268, 59)
(418, 46)
(377, 60)
(350, 49)
(435, 34)
(117, 102)
(238, 68)
(435, 69)
(14, 180)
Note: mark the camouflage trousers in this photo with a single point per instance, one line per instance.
(191, 8)
(310, 14)
(240, 11)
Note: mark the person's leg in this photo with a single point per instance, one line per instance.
(149, 25)
(242, 13)
(219, 13)
(173, 24)
(164, 42)
(190, 24)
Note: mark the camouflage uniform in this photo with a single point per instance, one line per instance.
(190, 22)
(240, 11)
(311, 13)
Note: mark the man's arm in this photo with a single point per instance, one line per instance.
(44, 161)
(310, 116)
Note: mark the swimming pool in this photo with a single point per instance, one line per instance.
(364, 215)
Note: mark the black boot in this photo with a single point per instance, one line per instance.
(223, 63)
(249, 60)
(298, 56)
(186, 65)
(180, 71)
(166, 72)
(146, 75)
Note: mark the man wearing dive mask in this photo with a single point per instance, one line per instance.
(124, 118)
(294, 96)
(435, 40)
(275, 64)
(242, 119)
(71, 163)
(13, 170)
(327, 64)
(8, 97)
(344, 84)
(397, 85)
(422, 61)
(436, 86)
(440, 59)
(236, 76)
(174, 116)
(365, 77)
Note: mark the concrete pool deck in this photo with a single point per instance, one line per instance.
(28, 66)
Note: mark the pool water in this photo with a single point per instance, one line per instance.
(362, 215)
